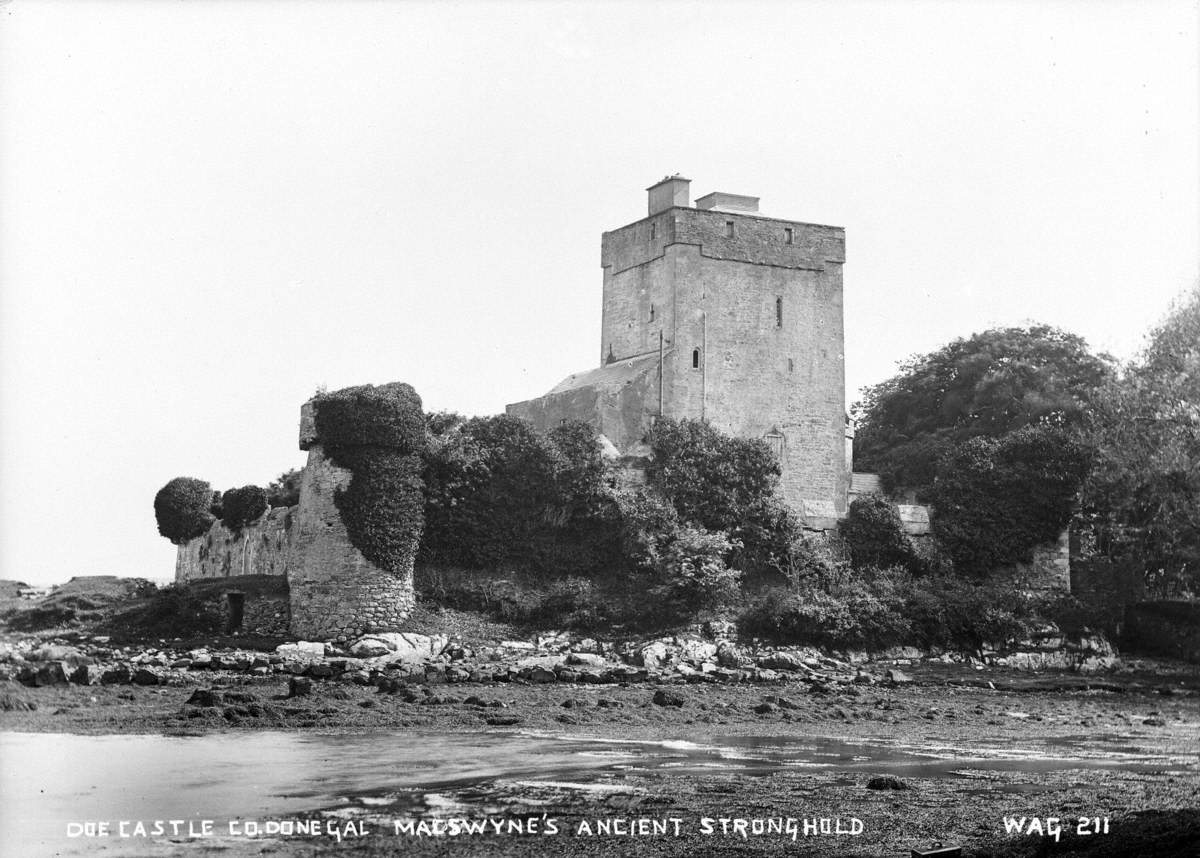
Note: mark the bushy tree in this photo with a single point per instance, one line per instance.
(378, 433)
(240, 507)
(285, 489)
(724, 484)
(996, 498)
(1142, 497)
(986, 385)
(181, 508)
(875, 536)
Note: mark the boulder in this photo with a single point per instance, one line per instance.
(667, 697)
(585, 658)
(658, 653)
(782, 661)
(204, 697)
(400, 646)
(887, 782)
(299, 686)
(118, 675)
(145, 676)
(696, 651)
(898, 677)
(51, 673)
(301, 649)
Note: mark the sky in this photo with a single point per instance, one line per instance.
(208, 210)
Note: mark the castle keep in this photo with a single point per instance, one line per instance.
(716, 312)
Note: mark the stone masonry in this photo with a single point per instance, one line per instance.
(720, 314)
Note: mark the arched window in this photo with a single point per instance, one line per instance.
(695, 358)
(779, 312)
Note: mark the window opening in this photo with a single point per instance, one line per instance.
(653, 230)
(237, 611)
(729, 229)
(695, 358)
(779, 312)
(787, 235)
(651, 312)
(791, 366)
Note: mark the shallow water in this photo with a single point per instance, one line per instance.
(49, 780)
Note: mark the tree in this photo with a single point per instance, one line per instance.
(988, 384)
(994, 499)
(1142, 498)
(285, 489)
(181, 508)
(241, 506)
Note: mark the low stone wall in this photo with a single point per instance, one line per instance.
(264, 547)
(1050, 569)
(336, 593)
(249, 604)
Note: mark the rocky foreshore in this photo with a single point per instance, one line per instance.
(711, 655)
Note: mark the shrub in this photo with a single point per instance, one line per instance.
(997, 498)
(875, 536)
(855, 617)
(500, 494)
(181, 509)
(285, 490)
(240, 507)
(692, 574)
(377, 433)
(387, 416)
(173, 611)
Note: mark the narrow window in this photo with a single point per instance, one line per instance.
(729, 229)
(651, 312)
(791, 366)
(787, 235)
(654, 231)
(695, 358)
(779, 312)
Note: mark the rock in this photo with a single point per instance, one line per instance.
(887, 782)
(84, 675)
(898, 677)
(537, 673)
(523, 645)
(145, 676)
(457, 674)
(320, 670)
(696, 651)
(119, 675)
(897, 653)
(13, 703)
(204, 697)
(731, 655)
(654, 654)
(720, 629)
(309, 649)
(262, 670)
(73, 656)
(585, 658)
(299, 686)
(51, 673)
(1154, 722)
(782, 661)
(369, 648)
(666, 697)
(765, 708)
(862, 677)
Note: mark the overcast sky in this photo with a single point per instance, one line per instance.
(209, 209)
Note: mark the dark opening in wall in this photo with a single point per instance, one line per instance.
(651, 312)
(695, 358)
(787, 235)
(653, 230)
(237, 611)
(779, 312)
(729, 229)
(791, 366)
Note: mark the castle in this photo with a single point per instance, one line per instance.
(716, 312)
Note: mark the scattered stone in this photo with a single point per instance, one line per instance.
(10, 702)
(1154, 722)
(51, 673)
(666, 697)
(765, 708)
(887, 782)
(585, 658)
(204, 697)
(145, 676)
(898, 677)
(299, 686)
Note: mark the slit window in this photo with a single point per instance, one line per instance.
(791, 366)
(787, 235)
(695, 358)
(779, 312)
(729, 229)
(651, 312)
(653, 230)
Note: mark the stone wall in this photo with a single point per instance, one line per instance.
(336, 593)
(1049, 570)
(249, 604)
(264, 547)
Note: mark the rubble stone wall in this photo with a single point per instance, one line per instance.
(336, 593)
(263, 547)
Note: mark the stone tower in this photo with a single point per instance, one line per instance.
(716, 312)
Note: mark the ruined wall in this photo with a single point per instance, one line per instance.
(336, 593)
(248, 604)
(264, 547)
(1050, 568)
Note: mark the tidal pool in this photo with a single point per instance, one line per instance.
(52, 784)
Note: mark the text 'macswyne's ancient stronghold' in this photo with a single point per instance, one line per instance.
(718, 313)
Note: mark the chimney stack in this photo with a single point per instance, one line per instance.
(670, 192)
